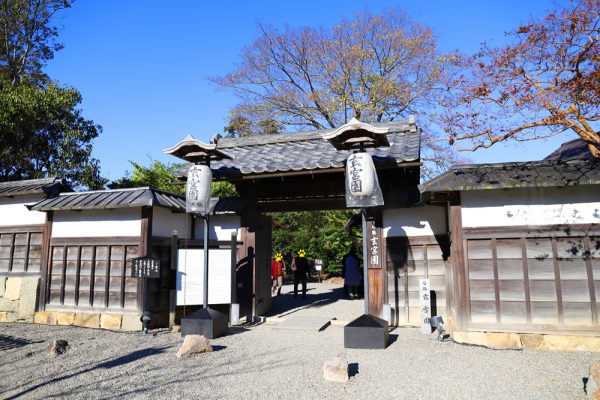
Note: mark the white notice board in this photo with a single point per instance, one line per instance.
(190, 276)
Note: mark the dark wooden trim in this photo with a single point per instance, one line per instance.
(526, 278)
(12, 253)
(92, 276)
(559, 302)
(590, 275)
(123, 276)
(145, 249)
(63, 276)
(45, 259)
(23, 228)
(77, 275)
(496, 280)
(26, 261)
(386, 292)
(532, 231)
(99, 240)
(199, 244)
(107, 275)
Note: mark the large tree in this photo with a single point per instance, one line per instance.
(376, 68)
(42, 130)
(28, 37)
(544, 82)
(42, 133)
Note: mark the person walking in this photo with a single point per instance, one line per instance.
(301, 272)
(351, 267)
(277, 273)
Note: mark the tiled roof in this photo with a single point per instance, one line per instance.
(309, 151)
(573, 150)
(515, 174)
(133, 197)
(49, 186)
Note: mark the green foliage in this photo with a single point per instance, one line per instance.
(320, 233)
(163, 177)
(42, 133)
(157, 175)
(27, 37)
(223, 188)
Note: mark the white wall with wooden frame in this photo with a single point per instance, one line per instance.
(21, 236)
(526, 277)
(416, 247)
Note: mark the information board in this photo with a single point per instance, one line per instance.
(190, 276)
(318, 264)
(145, 267)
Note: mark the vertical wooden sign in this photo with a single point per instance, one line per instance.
(425, 305)
(373, 246)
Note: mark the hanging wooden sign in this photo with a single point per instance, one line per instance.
(374, 252)
(145, 267)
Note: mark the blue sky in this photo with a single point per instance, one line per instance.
(142, 65)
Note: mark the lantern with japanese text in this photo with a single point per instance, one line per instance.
(198, 189)
(360, 175)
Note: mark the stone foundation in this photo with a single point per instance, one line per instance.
(503, 340)
(18, 298)
(116, 322)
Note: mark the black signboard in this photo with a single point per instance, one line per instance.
(145, 267)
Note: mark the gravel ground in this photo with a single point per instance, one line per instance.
(257, 362)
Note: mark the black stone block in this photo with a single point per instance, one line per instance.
(366, 332)
(206, 321)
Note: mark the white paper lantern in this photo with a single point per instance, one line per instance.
(198, 189)
(360, 175)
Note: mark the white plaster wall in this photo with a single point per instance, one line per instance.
(13, 211)
(417, 221)
(164, 222)
(97, 223)
(220, 227)
(531, 206)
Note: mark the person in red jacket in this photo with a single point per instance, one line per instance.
(277, 273)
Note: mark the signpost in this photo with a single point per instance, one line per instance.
(318, 267)
(145, 268)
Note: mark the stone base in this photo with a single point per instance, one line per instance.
(505, 340)
(366, 332)
(206, 321)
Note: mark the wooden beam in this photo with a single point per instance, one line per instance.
(45, 259)
(459, 284)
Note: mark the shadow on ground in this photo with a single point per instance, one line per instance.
(11, 342)
(126, 359)
(286, 304)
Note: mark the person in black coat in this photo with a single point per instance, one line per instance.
(301, 272)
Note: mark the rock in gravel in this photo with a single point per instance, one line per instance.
(193, 344)
(176, 329)
(336, 369)
(57, 347)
